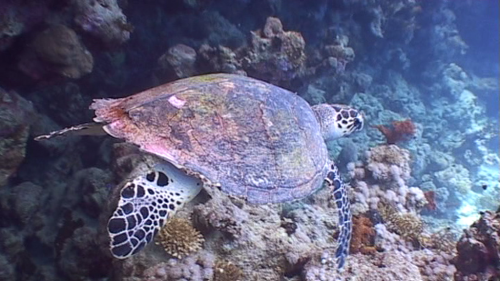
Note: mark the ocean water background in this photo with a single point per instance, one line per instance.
(435, 63)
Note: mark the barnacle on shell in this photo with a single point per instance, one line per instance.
(179, 238)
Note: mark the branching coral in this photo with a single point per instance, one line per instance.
(226, 271)
(408, 225)
(398, 132)
(180, 238)
(363, 236)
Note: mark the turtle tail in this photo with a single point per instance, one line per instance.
(344, 213)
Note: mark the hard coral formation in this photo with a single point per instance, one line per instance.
(178, 62)
(478, 250)
(363, 236)
(179, 238)
(226, 271)
(383, 178)
(219, 59)
(275, 55)
(57, 50)
(198, 267)
(103, 19)
(398, 132)
(339, 54)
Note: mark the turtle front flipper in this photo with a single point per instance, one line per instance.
(344, 211)
(145, 204)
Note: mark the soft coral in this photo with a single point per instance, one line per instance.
(399, 131)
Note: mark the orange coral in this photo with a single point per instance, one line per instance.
(431, 200)
(399, 131)
(363, 236)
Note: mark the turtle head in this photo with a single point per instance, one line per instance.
(338, 120)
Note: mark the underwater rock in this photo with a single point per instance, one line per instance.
(56, 50)
(12, 25)
(25, 201)
(275, 55)
(103, 19)
(479, 250)
(16, 116)
(219, 31)
(178, 62)
(219, 59)
(68, 96)
(7, 269)
(18, 17)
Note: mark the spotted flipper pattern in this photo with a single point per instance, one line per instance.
(146, 202)
(344, 211)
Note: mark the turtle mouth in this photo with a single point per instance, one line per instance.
(358, 124)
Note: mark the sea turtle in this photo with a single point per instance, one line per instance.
(244, 136)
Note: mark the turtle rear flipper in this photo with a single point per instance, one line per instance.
(145, 204)
(87, 129)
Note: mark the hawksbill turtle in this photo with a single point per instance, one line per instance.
(244, 136)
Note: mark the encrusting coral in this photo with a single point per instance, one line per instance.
(479, 249)
(179, 238)
(363, 236)
(226, 271)
(398, 132)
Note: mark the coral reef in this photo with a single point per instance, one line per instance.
(275, 55)
(383, 178)
(478, 250)
(200, 266)
(391, 265)
(226, 271)
(103, 19)
(220, 59)
(178, 62)
(179, 238)
(398, 132)
(363, 236)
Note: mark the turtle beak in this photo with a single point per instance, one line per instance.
(359, 122)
